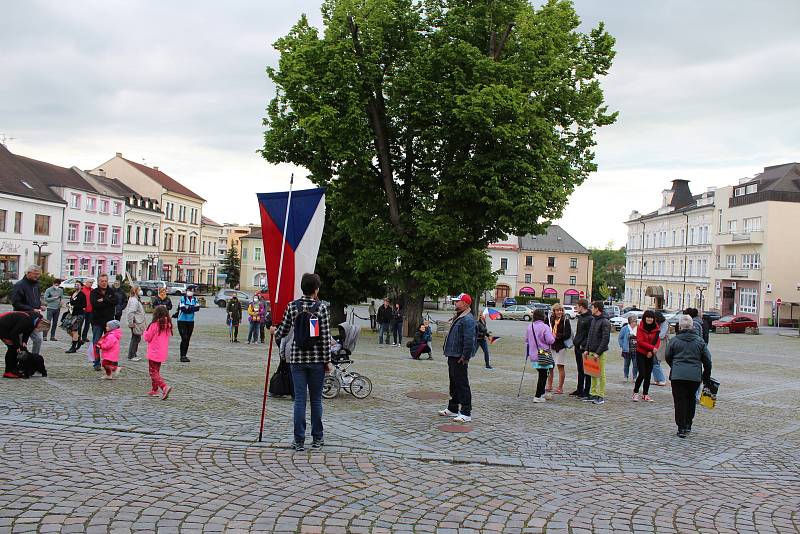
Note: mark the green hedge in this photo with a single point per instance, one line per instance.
(527, 299)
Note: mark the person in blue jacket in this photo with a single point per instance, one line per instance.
(627, 342)
(459, 346)
(186, 309)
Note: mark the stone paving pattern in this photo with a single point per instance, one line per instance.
(85, 455)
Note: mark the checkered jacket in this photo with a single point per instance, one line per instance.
(319, 353)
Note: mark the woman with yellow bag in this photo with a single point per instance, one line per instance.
(690, 362)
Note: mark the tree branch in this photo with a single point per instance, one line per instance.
(503, 39)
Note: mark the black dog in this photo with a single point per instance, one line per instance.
(30, 363)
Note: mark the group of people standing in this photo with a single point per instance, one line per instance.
(387, 319)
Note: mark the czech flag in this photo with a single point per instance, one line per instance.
(294, 219)
(491, 313)
(313, 327)
(493, 339)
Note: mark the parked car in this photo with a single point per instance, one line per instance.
(546, 308)
(736, 323)
(612, 310)
(627, 309)
(491, 303)
(68, 283)
(509, 301)
(709, 317)
(178, 288)
(224, 295)
(263, 294)
(516, 312)
(622, 320)
(150, 287)
(570, 311)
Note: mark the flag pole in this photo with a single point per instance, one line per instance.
(277, 297)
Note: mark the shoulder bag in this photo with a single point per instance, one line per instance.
(544, 358)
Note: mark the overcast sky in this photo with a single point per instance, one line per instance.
(707, 91)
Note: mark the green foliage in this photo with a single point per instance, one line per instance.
(527, 299)
(45, 281)
(5, 288)
(438, 127)
(609, 270)
(232, 267)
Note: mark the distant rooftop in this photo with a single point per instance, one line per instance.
(556, 239)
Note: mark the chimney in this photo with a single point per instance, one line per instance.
(119, 154)
(155, 167)
(681, 194)
(101, 172)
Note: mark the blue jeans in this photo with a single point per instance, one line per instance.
(384, 329)
(484, 346)
(252, 333)
(97, 333)
(658, 373)
(629, 360)
(307, 377)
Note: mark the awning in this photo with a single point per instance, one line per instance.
(549, 291)
(571, 292)
(527, 291)
(654, 291)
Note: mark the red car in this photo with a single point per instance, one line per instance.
(736, 323)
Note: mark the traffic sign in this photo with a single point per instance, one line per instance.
(180, 261)
(778, 301)
(581, 294)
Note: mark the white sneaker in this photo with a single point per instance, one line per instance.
(539, 399)
(447, 413)
(461, 418)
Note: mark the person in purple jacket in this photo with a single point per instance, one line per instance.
(539, 338)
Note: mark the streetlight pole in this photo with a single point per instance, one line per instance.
(701, 289)
(38, 258)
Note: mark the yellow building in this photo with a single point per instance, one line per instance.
(253, 266)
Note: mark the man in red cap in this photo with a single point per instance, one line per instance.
(459, 346)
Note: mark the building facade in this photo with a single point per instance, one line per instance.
(232, 233)
(756, 254)
(31, 220)
(181, 214)
(253, 266)
(669, 259)
(211, 233)
(504, 256)
(554, 265)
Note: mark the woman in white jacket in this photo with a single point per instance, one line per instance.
(134, 313)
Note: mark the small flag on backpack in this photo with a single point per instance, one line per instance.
(313, 327)
(493, 339)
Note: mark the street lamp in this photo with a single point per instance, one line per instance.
(701, 289)
(152, 256)
(543, 282)
(612, 293)
(38, 258)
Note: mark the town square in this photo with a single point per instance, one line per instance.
(378, 266)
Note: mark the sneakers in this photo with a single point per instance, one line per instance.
(153, 393)
(72, 350)
(10, 375)
(489, 367)
(447, 413)
(539, 399)
(298, 446)
(135, 359)
(635, 397)
(647, 398)
(167, 390)
(588, 398)
(53, 338)
(104, 377)
(185, 359)
(317, 444)
(461, 418)
(681, 433)
(599, 400)
(575, 393)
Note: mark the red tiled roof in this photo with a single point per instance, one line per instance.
(206, 220)
(169, 183)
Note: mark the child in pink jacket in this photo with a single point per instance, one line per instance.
(108, 345)
(157, 337)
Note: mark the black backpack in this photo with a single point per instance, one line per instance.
(306, 326)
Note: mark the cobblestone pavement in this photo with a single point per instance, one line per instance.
(84, 455)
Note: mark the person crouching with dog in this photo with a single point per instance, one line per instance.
(15, 329)
(108, 346)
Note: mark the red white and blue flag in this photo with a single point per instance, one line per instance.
(299, 230)
(313, 327)
(491, 313)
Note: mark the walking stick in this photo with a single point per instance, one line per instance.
(524, 365)
(277, 299)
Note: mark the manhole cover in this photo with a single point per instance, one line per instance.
(427, 395)
(455, 428)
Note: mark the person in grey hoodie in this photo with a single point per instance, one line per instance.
(52, 299)
(690, 363)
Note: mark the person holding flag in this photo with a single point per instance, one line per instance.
(482, 333)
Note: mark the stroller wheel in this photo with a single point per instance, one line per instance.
(330, 387)
(360, 387)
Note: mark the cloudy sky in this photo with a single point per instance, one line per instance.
(707, 91)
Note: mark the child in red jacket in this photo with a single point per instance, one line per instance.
(108, 347)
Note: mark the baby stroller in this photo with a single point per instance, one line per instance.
(357, 385)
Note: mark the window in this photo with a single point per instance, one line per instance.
(674, 238)
(3, 214)
(748, 300)
(168, 210)
(104, 206)
(528, 261)
(146, 235)
(731, 261)
(138, 235)
(257, 254)
(91, 204)
(192, 243)
(549, 278)
(644, 268)
(503, 264)
(738, 192)
(112, 268)
(18, 222)
(182, 213)
(732, 226)
(115, 235)
(71, 265)
(244, 254)
(691, 267)
(672, 268)
(84, 266)
(167, 241)
(752, 224)
(72, 231)
(102, 235)
(117, 208)
(154, 239)
(88, 233)
(75, 201)
(193, 216)
(751, 261)
(683, 237)
(691, 236)
(573, 280)
(573, 263)
(551, 261)
(528, 278)
(752, 188)
(181, 243)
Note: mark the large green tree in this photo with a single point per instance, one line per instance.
(442, 126)
(609, 271)
(232, 267)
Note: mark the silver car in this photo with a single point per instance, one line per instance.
(224, 295)
(516, 312)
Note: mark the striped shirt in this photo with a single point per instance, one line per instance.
(321, 351)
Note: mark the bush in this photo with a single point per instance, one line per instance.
(527, 299)
(45, 281)
(5, 289)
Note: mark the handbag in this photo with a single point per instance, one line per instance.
(568, 343)
(544, 358)
(591, 366)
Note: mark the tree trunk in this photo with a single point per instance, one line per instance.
(337, 316)
(413, 315)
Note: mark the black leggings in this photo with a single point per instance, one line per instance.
(542, 382)
(645, 367)
(683, 392)
(185, 329)
(11, 359)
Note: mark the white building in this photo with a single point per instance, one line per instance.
(504, 256)
(211, 236)
(30, 212)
